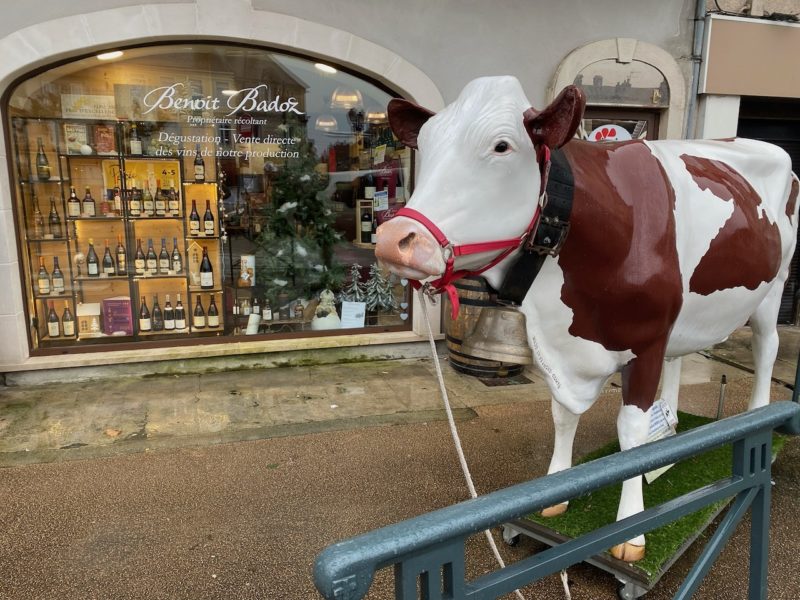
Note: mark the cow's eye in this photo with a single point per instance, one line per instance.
(502, 147)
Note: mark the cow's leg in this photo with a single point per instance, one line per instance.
(639, 386)
(566, 423)
(671, 382)
(765, 345)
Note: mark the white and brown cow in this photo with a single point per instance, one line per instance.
(672, 246)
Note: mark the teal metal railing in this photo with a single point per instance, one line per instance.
(427, 552)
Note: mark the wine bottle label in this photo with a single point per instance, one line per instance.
(152, 265)
(108, 270)
(145, 325)
(206, 280)
(194, 227)
(199, 321)
(208, 227)
(199, 172)
(69, 328)
(53, 329)
(94, 269)
(161, 207)
(148, 207)
(267, 316)
(121, 263)
(136, 208)
(213, 320)
(169, 323)
(43, 285)
(138, 266)
(89, 209)
(366, 226)
(180, 323)
(136, 146)
(74, 209)
(174, 207)
(177, 266)
(58, 285)
(369, 192)
(163, 265)
(373, 238)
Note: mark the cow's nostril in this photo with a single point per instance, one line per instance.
(406, 241)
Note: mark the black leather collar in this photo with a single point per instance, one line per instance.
(549, 236)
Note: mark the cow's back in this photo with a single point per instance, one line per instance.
(735, 232)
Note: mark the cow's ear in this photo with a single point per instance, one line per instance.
(406, 119)
(555, 125)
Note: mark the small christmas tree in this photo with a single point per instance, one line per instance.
(379, 293)
(356, 290)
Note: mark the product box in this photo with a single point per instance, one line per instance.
(76, 137)
(88, 315)
(117, 316)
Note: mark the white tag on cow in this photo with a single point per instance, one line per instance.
(662, 424)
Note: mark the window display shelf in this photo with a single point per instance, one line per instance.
(154, 218)
(64, 296)
(99, 278)
(165, 332)
(60, 240)
(164, 276)
(97, 219)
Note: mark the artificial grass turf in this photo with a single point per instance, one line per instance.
(587, 513)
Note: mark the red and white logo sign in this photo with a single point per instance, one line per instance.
(609, 133)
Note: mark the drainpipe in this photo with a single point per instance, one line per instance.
(697, 61)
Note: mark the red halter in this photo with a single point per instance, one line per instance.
(450, 252)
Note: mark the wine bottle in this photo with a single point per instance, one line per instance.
(89, 207)
(208, 221)
(177, 259)
(117, 201)
(180, 314)
(194, 220)
(366, 226)
(148, 205)
(164, 260)
(135, 142)
(57, 278)
(369, 186)
(38, 220)
(199, 318)
(266, 311)
(199, 166)
(105, 205)
(256, 306)
(173, 201)
(54, 220)
(161, 203)
(139, 259)
(53, 324)
(92, 261)
(67, 321)
(73, 204)
(122, 261)
(151, 265)
(374, 236)
(158, 316)
(108, 262)
(206, 272)
(169, 315)
(145, 323)
(43, 279)
(135, 202)
(213, 314)
(42, 164)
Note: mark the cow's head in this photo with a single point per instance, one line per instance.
(478, 177)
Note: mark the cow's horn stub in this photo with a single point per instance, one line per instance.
(406, 119)
(557, 123)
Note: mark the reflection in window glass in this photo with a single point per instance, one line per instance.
(624, 84)
(195, 191)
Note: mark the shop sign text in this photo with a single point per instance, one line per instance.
(246, 100)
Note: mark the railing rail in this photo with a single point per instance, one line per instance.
(429, 549)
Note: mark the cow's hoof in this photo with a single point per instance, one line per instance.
(554, 511)
(628, 552)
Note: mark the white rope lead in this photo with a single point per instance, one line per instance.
(454, 432)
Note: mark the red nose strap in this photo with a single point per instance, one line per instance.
(450, 251)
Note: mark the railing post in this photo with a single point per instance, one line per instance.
(440, 571)
(753, 460)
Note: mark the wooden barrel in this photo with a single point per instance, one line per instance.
(473, 297)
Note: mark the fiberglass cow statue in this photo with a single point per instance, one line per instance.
(669, 247)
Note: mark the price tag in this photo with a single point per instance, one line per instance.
(663, 421)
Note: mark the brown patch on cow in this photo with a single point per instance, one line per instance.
(747, 239)
(791, 203)
(620, 262)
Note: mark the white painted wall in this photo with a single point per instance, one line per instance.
(717, 117)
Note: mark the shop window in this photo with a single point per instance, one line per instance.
(203, 192)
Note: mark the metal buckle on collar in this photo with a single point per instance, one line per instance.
(549, 236)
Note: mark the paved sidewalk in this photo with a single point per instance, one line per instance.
(227, 485)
